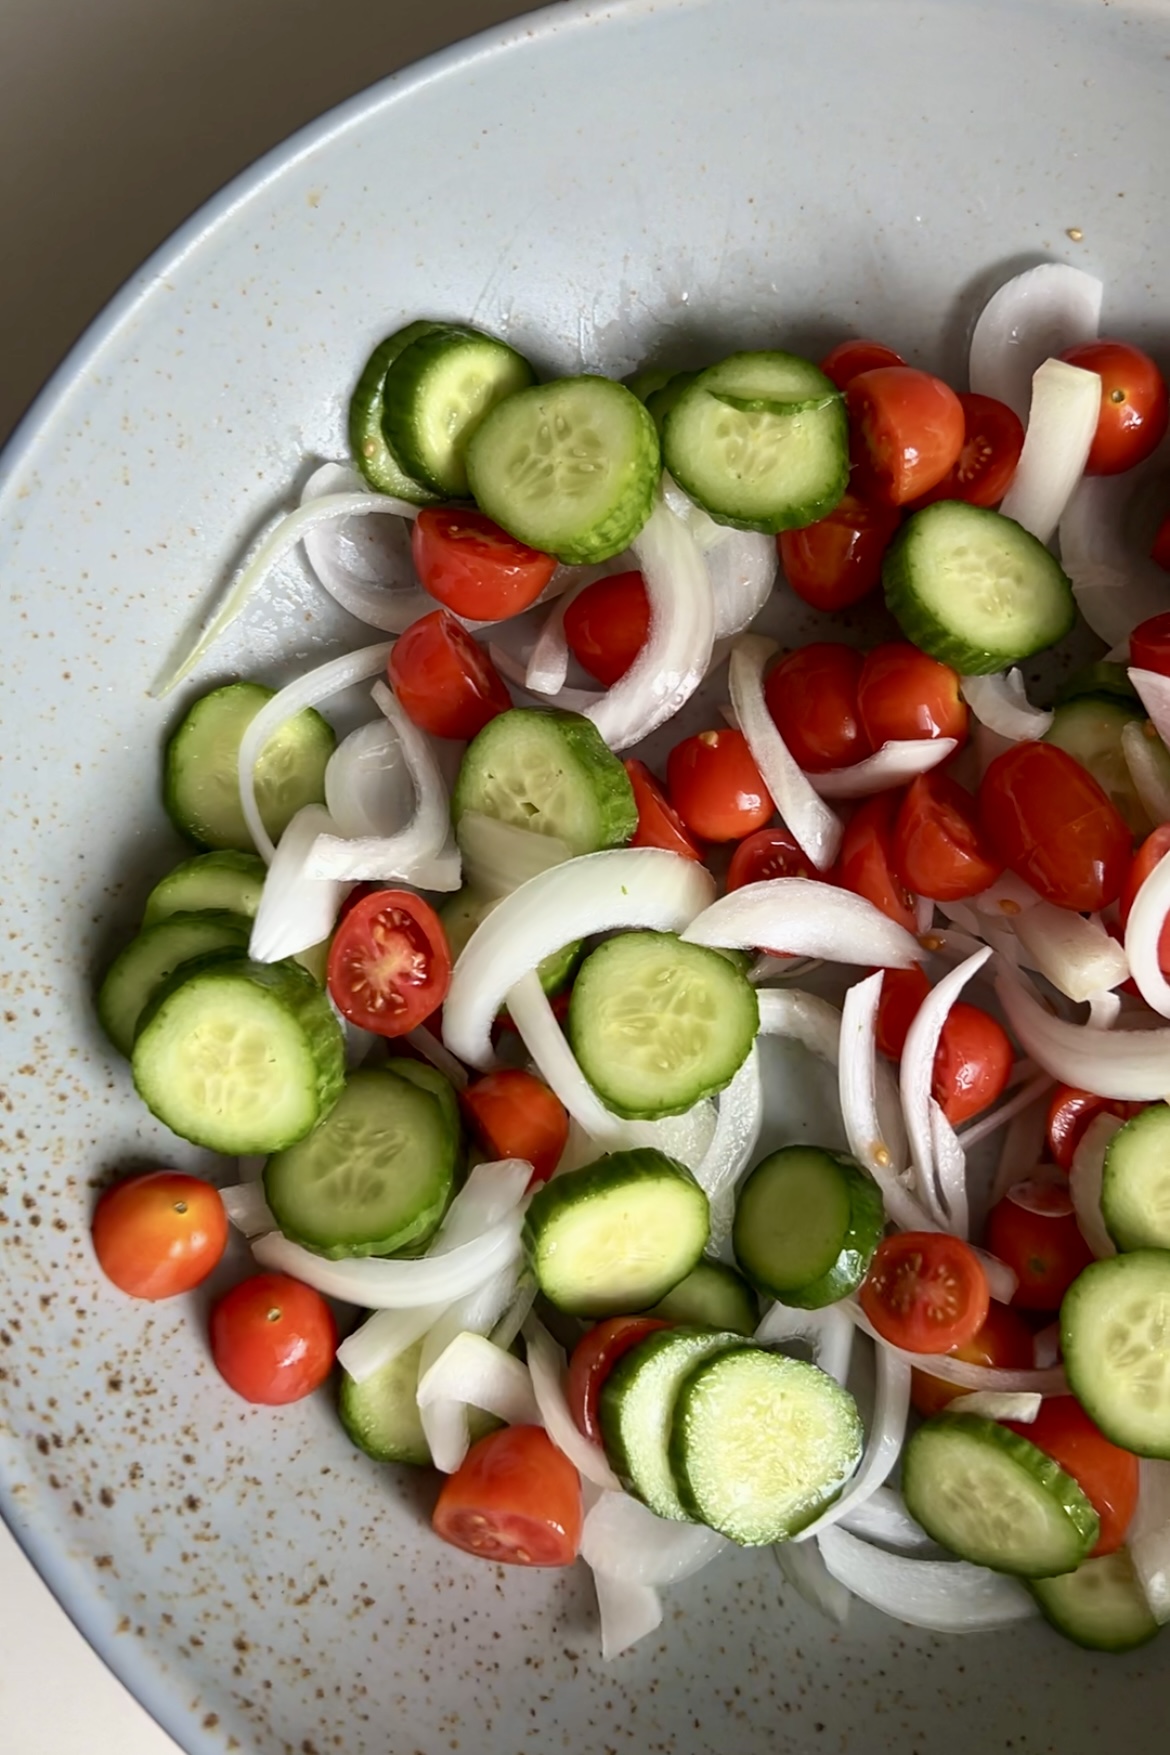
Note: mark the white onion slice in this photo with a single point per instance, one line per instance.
(996, 1405)
(804, 1569)
(883, 1518)
(1006, 1112)
(1072, 951)
(817, 829)
(628, 1613)
(1046, 1346)
(893, 765)
(769, 968)
(363, 563)
(247, 1209)
(1149, 1536)
(918, 1055)
(1037, 314)
(1154, 690)
(393, 1285)
(1115, 581)
(1001, 703)
(950, 1171)
(810, 919)
(1066, 403)
(1048, 1382)
(627, 1542)
(1148, 762)
(804, 1018)
(1001, 1279)
(546, 1363)
(1133, 1065)
(742, 565)
(296, 910)
(472, 1372)
(445, 1422)
(548, 662)
(1143, 936)
(737, 1131)
(516, 673)
(876, 1141)
(944, 1596)
(829, 1332)
(421, 1040)
(499, 857)
(1006, 899)
(887, 1430)
(368, 788)
(384, 1337)
(1084, 1183)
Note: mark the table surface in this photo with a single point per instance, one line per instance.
(116, 121)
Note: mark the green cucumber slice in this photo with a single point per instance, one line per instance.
(643, 384)
(467, 909)
(569, 467)
(367, 442)
(225, 881)
(657, 1024)
(437, 1085)
(437, 391)
(151, 959)
(711, 1296)
(549, 772)
(995, 1499)
(1115, 1338)
(635, 1409)
(1089, 729)
(1101, 1605)
(1135, 1186)
(1101, 678)
(807, 1223)
(661, 401)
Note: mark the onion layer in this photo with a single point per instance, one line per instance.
(817, 829)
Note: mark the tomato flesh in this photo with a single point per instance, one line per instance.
(769, 853)
(993, 437)
(837, 561)
(850, 358)
(1149, 644)
(593, 1358)
(515, 1115)
(389, 964)
(1044, 1249)
(444, 679)
(1004, 1343)
(659, 824)
(902, 694)
(1151, 853)
(865, 864)
(1135, 408)
(1107, 1475)
(606, 625)
(811, 695)
(939, 846)
(717, 789)
(273, 1339)
(925, 1291)
(514, 1499)
(159, 1234)
(1050, 823)
(907, 432)
(474, 568)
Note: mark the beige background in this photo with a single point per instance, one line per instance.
(117, 119)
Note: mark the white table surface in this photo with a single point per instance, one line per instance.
(117, 119)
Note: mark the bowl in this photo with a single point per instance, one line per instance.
(601, 185)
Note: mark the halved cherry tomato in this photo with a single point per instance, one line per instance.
(812, 696)
(849, 358)
(1135, 408)
(659, 824)
(925, 1291)
(515, 1499)
(717, 789)
(1152, 852)
(1106, 1474)
(1004, 1342)
(940, 849)
(594, 1357)
(1161, 549)
(473, 567)
(159, 1234)
(907, 432)
(838, 560)
(1050, 823)
(444, 679)
(903, 694)
(606, 625)
(993, 437)
(1035, 1231)
(389, 963)
(273, 1339)
(865, 863)
(1069, 1113)
(1149, 644)
(769, 853)
(972, 1063)
(514, 1115)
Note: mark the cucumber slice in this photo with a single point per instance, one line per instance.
(226, 881)
(466, 910)
(995, 1499)
(149, 960)
(1115, 1338)
(974, 589)
(617, 1234)
(240, 1057)
(656, 1023)
(1102, 678)
(807, 1222)
(636, 1406)
(760, 441)
(761, 1444)
(1089, 729)
(1135, 1186)
(438, 390)
(549, 772)
(1101, 1605)
(569, 467)
(437, 1085)
(711, 1296)
(661, 401)
(201, 788)
(374, 1176)
(643, 384)
(367, 442)
(380, 1415)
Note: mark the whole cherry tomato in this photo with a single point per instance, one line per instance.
(159, 1234)
(907, 432)
(1135, 408)
(717, 789)
(594, 1357)
(273, 1339)
(1050, 823)
(903, 694)
(515, 1115)
(1035, 1231)
(850, 358)
(606, 625)
(1069, 1113)
(1107, 1475)
(811, 694)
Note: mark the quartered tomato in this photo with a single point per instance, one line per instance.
(1050, 823)
(838, 560)
(717, 789)
(273, 1339)
(594, 1357)
(659, 824)
(514, 1115)
(974, 1054)
(1106, 1474)
(1135, 408)
(515, 1499)
(993, 437)
(865, 864)
(812, 696)
(769, 853)
(1149, 644)
(925, 1291)
(1160, 552)
(1152, 852)
(159, 1234)
(940, 849)
(606, 625)
(903, 694)
(907, 432)
(473, 567)
(1069, 1113)
(389, 963)
(1034, 1230)
(444, 679)
(850, 358)
(1004, 1342)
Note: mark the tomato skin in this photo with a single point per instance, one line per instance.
(1107, 1475)
(925, 1291)
(659, 824)
(993, 437)
(1069, 1113)
(865, 864)
(1149, 644)
(837, 561)
(903, 694)
(717, 789)
(1045, 1250)
(1152, 851)
(474, 568)
(940, 849)
(903, 991)
(159, 1234)
(606, 625)
(273, 1339)
(811, 695)
(1050, 823)
(389, 963)
(514, 1499)
(1161, 549)
(593, 1358)
(1135, 408)
(971, 1064)
(1004, 1342)
(849, 358)
(515, 1115)
(907, 432)
(444, 679)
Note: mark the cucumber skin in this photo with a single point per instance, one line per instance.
(248, 868)
(412, 360)
(385, 474)
(739, 1315)
(1103, 679)
(1113, 1202)
(867, 1218)
(617, 813)
(1084, 1388)
(1047, 1592)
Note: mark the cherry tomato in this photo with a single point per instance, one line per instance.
(971, 1064)
(903, 991)
(1149, 644)
(925, 1291)
(1034, 1230)
(866, 861)
(444, 679)
(514, 1115)
(907, 432)
(389, 963)
(838, 560)
(993, 437)
(1004, 1341)
(273, 1339)
(659, 824)
(1152, 851)
(594, 1357)
(1135, 409)
(812, 696)
(1161, 549)
(769, 853)
(515, 1499)
(1106, 1474)
(606, 625)
(159, 1234)
(849, 358)
(717, 789)
(473, 567)
(1069, 1113)
(940, 849)
(1050, 823)
(902, 694)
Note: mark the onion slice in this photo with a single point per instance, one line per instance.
(817, 829)
(918, 1055)
(1084, 1183)
(1149, 1536)
(396, 1285)
(1001, 703)
(886, 1433)
(829, 1332)
(1154, 690)
(627, 1542)
(876, 1141)
(368, 787)
(499, 857)
(883, 1518)
(1143, 938)
(546, 1363)
(364, 564)
(1032, 317)
(296, 910)
(804, 1569)
(737, 1131)
(892, 765)
(1115, 581)
(472, 1372)
(445, 1422)
(809, 918)
(742, 566)
(628, 1613)
(384, 1337)
(944, 1596)
(1128, 1064)
(1072, 951)
(1048, 1382)
(513, 671)
(992, 1404)
(247, 1209)
(1066, 404)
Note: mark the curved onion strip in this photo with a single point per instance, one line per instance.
(628, 1613)
(817, 829)
(548, 662)
(623, 1539)
(921, 1046)
(893, 765)
(373, 580)
(368, 789)
(1084, 1183)
(571, 700)
(395, 1285)
(1154, 691)
(994, 1119)
(1143, 937)
(296, 910)
(499, 857)
(247, 1209)
(950, 1170)
(1066, 405)
(828, 1331)
(1001, 1279)
(1115, 581)
(1133, 1065)
(422, 1041)
(883, 1518)
(1049, 1382)
(886, 1432)
(384, 1337)
(737, 1130)
(742, 565)
(944, 1596)
(1149, 1536)
(1001, 703)
(803, 1017)
(472, 1372)
(1006, 899)
(810, 918)
(1046, 1344)
(990, 1404)
(1104, 1010)
(445, 1423)
(1037, 314)
(881, 1148)
(546, 1363)
(805, 1570)
(1148, 762)
(768, 968)
(1072, 951)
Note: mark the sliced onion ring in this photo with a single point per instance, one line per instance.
(1154, 690)
(1066, 404)
(877, 1141)
(945, 1596)
(546, 1363)
(1084, 1183)
(1049, 1382)
(1148, 762)
(1149, 1536)
(372, 579)
(1128, 1064)
(810, 919)
(1072, 951)
(296, 910)
(1001, 703)
(893, 765)
(886, 1433)
(1032, 317)
(918, 1057)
